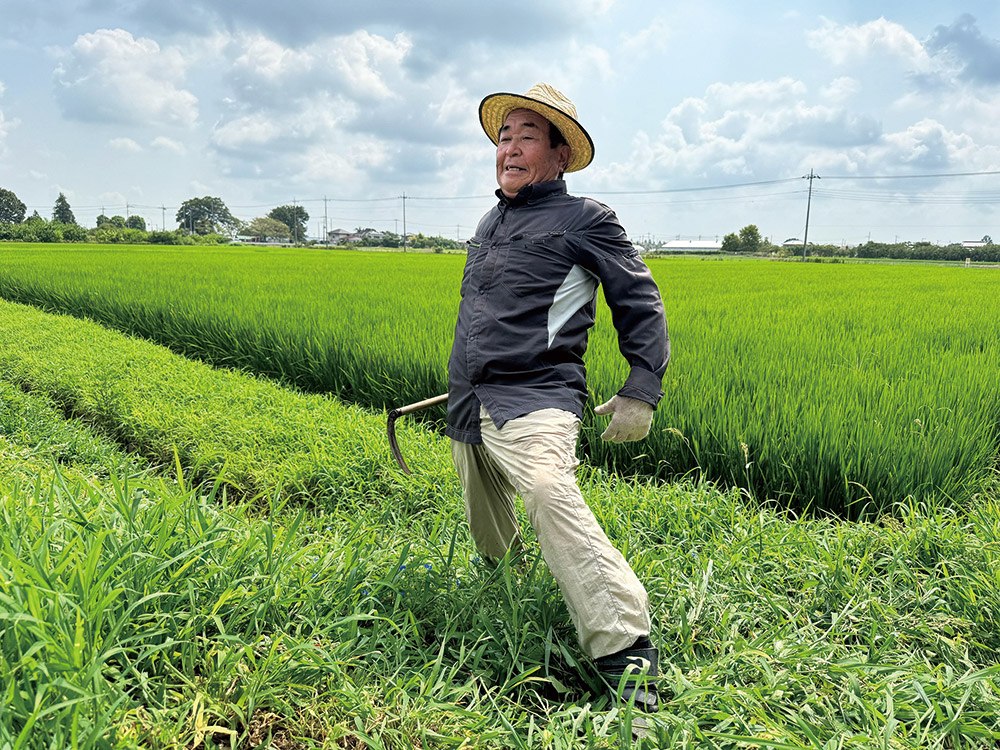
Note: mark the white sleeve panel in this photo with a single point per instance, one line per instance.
(577, 290)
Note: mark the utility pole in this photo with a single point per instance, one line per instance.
(404, 222)
(295, 223)
(163, 217)
(805, 238)
(326, 223)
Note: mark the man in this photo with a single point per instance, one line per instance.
(517, 385)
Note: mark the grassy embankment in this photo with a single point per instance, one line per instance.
(140, 609)
(845, 388)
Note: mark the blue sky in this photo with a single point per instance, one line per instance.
(139, 105)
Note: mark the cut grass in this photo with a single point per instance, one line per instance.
(163, 613)
(251, 434)
(36, 440)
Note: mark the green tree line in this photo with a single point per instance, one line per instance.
(749, 241)
(204, 220)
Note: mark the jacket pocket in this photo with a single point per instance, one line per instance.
(536, 264)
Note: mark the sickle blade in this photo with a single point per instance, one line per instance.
(396, 414)
(393, 445)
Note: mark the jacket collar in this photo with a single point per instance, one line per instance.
(532, 193)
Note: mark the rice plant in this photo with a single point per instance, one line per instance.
(840, 388)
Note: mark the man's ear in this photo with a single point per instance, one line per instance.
(565, 153)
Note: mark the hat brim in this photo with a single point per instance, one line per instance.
(493, 111)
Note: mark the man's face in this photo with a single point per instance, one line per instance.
(524, 153)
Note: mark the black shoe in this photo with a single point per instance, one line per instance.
(631, 674)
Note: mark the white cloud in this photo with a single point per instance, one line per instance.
(168, 144)
(125, 144)
(586, 63)
(308, 142)
(361, 65)
(267, 60)
(841, 89)
(925, 147)
(653, 38)
(111, 200)
(110, 76)
(929, 147)
(756, 93)
(5, 125)
(760, 129)
(972, 55)
(364, 60)
(847, 43)
(247, 132)
(339, 107)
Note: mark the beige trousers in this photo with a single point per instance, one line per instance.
(535, 456)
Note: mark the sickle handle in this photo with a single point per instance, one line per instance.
(396, 413)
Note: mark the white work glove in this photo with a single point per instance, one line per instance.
(630, 419)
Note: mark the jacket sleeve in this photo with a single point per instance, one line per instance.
(635, 302)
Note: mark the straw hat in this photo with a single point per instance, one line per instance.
(550, 104)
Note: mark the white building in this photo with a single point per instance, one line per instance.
(690, 246)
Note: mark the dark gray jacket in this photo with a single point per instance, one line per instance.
(528, 301)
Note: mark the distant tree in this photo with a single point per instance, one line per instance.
(750, 239)
(136, 222)
(381, 239)
(293, 217)
(163, 237)
(49, 231)
(73, 233)
(987, 240)
(730, 243)
(61, 211)
(266, 228)
(206, 216)
(12, 210)
(117, 221)
(102, 220)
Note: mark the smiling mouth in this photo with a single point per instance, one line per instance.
(514, 169)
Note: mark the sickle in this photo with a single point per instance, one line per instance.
(396, 413)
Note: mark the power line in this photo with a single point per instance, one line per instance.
(944, 199)
(691, 189)
(659, 191)
(910, 176)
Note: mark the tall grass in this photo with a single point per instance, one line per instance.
(839, 387)
(151, 611)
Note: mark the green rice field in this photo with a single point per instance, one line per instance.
(196, 557)
(842, 388)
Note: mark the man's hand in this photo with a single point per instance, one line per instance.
(630, 419)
